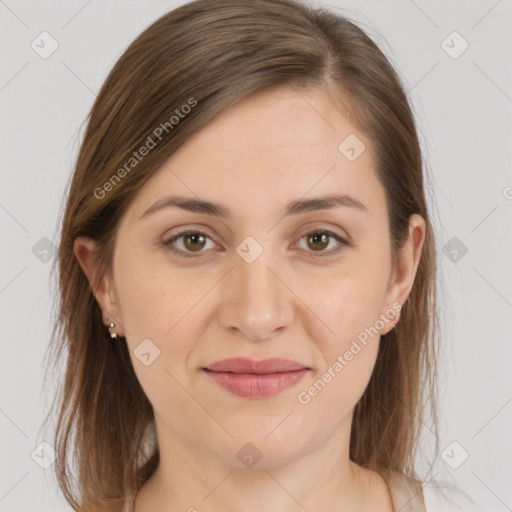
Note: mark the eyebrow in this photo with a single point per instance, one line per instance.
(217, 210)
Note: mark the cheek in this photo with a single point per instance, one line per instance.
(345, 303)
(345, 328)
(348, 354)
(163, 315)
(155, 297)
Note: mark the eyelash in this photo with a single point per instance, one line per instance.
(321, 254)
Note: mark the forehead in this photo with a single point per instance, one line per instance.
(272, 148)
(281, 123)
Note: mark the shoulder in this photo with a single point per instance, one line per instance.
(411, 495)
(447, 499)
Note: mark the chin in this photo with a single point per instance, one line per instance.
(259, 450)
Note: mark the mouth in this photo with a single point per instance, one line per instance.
(256, 379)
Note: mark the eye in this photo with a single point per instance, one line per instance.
(320, 239)
(195, 241)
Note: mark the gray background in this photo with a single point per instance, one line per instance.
(463, 106)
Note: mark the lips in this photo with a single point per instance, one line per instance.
(245, 365)
(256, 379)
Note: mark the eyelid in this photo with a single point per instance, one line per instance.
(186, 230)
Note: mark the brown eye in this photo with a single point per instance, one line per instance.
(195, 241)
(192, 242)
(317, 241)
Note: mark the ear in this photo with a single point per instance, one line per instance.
(85, 250)
(403, 275)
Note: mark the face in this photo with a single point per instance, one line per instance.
(269, 279)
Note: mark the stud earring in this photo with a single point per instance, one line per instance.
(111, 326)
(112, 334)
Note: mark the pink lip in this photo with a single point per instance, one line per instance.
(256, 379)
(246, 365)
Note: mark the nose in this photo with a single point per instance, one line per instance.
(256, 301)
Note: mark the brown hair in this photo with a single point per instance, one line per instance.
(217, 53)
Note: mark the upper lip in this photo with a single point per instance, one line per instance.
(264, 366)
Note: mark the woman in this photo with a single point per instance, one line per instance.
(247, 273)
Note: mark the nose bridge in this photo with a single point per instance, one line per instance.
(257, 302)
(256, 281)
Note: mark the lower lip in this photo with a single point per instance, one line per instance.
(254, 385)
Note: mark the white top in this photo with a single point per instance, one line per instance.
(447, 500)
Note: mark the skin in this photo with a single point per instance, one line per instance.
(263, 153)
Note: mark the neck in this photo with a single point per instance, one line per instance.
(189, 478)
